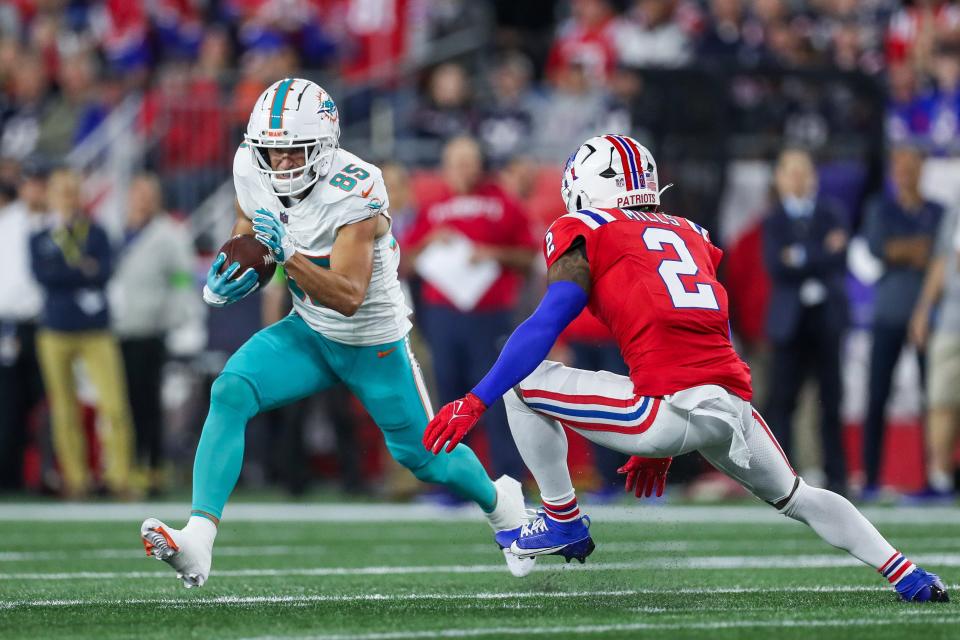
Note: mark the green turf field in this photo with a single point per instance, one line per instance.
(672, 573)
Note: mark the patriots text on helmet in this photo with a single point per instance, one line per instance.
(637, 199)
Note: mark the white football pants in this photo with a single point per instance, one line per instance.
(724, 428)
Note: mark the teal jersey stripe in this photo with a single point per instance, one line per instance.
(276, 110)
(320, 261)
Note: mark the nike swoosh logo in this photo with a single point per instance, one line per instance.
(384, 354)
(364, 194)
(456, 411)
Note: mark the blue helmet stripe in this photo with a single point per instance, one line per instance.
(638, 179)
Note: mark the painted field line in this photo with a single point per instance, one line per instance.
(129, 553)
(389, 512)
(187, 602)
(579, 630)
(679, 563)
(780, 544)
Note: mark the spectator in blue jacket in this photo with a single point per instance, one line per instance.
(72, 262)
(900, 229)
(804, 251)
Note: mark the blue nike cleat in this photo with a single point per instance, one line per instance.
(544, 536)
(922, 586)
(929, 496)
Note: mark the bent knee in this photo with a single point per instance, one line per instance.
(434, 472)
(235, 392)
(427, 467)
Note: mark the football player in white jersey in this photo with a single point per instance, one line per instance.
(323, 213)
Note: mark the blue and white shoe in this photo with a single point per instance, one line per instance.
(545, 536)
(508, 515)
(922, 586)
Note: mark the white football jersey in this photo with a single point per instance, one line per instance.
(352, 191)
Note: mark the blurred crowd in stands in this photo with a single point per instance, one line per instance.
(470, 106)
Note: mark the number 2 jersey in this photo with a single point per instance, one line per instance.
(352, 191)
(654, 285)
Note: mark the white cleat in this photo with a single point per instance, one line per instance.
(519, 566)
(511, 513)
(189, 551)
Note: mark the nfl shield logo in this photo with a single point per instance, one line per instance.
(284, 218)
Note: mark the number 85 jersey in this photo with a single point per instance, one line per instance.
(351, 191)
(654, 285)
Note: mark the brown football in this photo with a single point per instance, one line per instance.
(246, 250)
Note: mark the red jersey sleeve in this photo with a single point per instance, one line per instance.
(714, 252)
(560, 236)
(716, 255)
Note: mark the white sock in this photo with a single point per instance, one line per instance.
(940, 481)
(202, 529)
(542, 444)
(838, 522)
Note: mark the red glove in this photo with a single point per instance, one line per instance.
(452, 423)
(644, 473)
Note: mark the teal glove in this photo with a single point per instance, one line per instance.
(273, 236)
(220, 290)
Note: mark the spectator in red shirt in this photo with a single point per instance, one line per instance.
(186, 115)
(587, 38)
(466, 341)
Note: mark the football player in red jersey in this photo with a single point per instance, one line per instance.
(652, 279)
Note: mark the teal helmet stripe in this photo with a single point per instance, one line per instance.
(279, 99)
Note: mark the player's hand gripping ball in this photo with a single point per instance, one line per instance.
(645, 474)
(273, 235)
(452, 423)
(242, 266)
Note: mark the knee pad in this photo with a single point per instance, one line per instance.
(234, 392)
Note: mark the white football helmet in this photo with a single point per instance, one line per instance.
(294, 112)
(610, 172)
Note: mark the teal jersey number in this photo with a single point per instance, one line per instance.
(348, 182)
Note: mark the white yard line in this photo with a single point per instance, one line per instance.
(824, 561)
(132, 552)
(371, 512)
(413, 597)
(781, 544)
(571, 631)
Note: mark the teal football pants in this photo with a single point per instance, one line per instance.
(288, 361)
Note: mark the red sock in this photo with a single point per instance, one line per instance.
(565, 511)
(896, 568)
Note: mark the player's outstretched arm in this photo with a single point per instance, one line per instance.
(527, 347)
(343, 286)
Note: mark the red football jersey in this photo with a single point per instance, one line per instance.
(654, 284)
